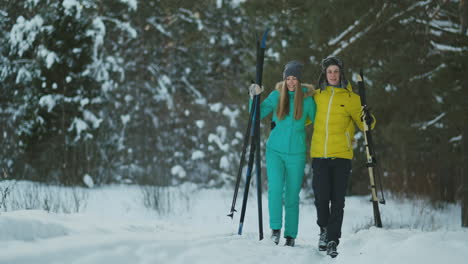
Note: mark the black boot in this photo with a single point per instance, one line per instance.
(322, 244)
(331, 249)
(275, 235)
(289, 241)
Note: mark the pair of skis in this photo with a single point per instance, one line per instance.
(370, 154)
(252, 136)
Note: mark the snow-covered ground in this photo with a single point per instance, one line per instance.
(115, 227)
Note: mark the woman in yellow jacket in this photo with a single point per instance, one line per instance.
(338, 109)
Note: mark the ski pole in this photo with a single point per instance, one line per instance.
(241, 165)
(255, 142)
(260, 59)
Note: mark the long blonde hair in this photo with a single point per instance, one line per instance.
(283, 104)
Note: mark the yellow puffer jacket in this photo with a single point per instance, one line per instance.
(337, 110)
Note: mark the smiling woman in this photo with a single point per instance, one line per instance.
(291, 105)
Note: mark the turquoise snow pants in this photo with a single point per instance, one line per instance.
(285, 173)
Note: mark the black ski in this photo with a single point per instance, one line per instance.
(371, 160)
(252, 135)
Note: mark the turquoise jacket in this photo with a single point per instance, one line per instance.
(288, 136)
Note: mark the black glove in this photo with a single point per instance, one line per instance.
(369, 120)
(272, 125)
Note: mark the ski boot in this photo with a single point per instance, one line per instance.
(322, 244)
(275, 235)
(289, 241)
(331, 249)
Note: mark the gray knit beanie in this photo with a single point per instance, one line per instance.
(293, 68)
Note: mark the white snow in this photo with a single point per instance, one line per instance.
(125, 26)
(97, 33)
(216, 107)
(23, 75)
(345, 43)
(125, 119)
(90, 117)
(389, 87)
(32, 3)
(132, 4)
(224, 163)
(192, 227)
(198, 154)
(49, 56)
(236, 3)
(200, 101)
(222, 132)
(335, 40)
(84, 102)
(24, 32)
(178, 171)
(164, 91)
(79, 125)
(200, 123)
(425, 125)
(284, 43)
(71, 5)
(227, 38)
(216, 139)
(197, 93)
(226, 62)
(128, 98)
(270, 53)
(48, 101)
(445, 25)
(232, 115)
(455, 139)
(88, 180)
(443, 47)
(429, 74)
(159, 27)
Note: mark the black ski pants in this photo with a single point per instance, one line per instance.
(329, 183)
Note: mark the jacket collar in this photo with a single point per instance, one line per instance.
(348, 88)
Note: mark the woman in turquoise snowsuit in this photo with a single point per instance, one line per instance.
(286, 148)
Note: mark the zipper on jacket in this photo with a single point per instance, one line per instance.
(291, 131)
(349, 141)
(291, 126)
(326, 123)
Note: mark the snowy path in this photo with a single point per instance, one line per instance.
(116, 228)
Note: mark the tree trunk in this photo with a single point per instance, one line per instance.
(464, 187)
(463, 16)
(464, 190)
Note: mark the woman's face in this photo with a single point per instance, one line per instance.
(333, 75)
(291, 83)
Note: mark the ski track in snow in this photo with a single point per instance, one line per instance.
(116, 228)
